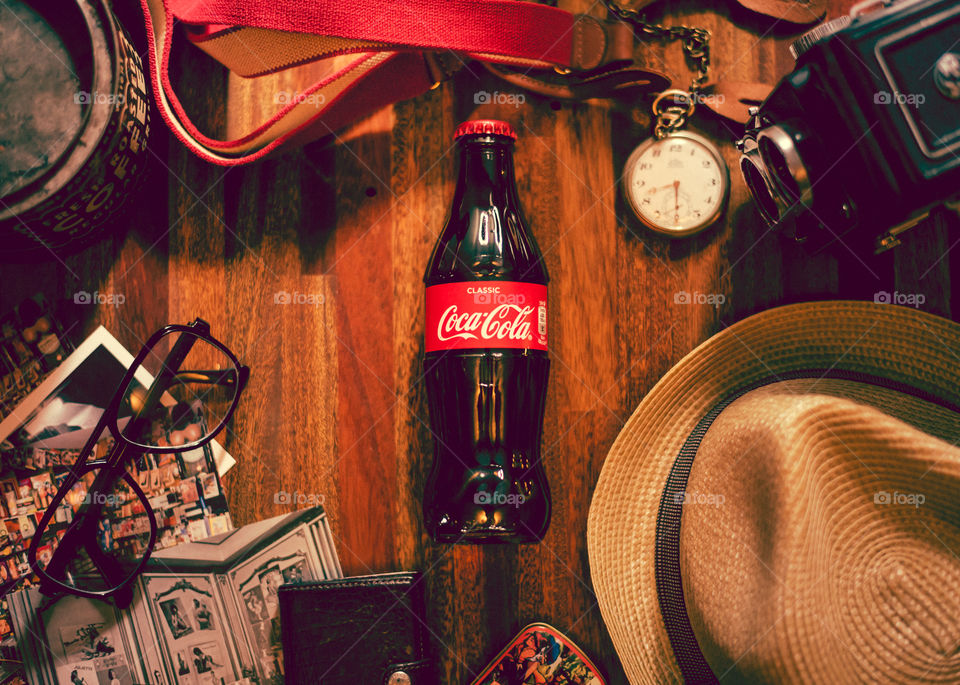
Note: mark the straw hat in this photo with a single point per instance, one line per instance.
(784, 506)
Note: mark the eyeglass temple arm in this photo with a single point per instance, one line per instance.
(168, 373)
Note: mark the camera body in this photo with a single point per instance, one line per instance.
(862, 139)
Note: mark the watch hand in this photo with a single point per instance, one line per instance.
(676, 195)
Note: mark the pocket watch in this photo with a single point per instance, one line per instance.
(676, 182)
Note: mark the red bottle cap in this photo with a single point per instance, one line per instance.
(487, 126)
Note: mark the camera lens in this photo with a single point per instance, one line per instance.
(758, 187)
(776, 162)
(777, 146)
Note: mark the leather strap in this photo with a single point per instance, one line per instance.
(524, 30)
(733, 99)
(355, 85)
(793, 11)
(581, 42)
(596, 43)
(626, 81)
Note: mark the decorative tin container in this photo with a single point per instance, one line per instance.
(74, 121)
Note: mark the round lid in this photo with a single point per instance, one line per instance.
(487, 126)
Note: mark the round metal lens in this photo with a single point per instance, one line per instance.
(760, 190)
(779, 154)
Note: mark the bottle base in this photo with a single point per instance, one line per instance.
(485, 539)
(487, 536)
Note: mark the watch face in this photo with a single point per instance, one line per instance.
(676, 185)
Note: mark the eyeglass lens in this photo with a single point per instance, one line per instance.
(197, 396)
(104, 520)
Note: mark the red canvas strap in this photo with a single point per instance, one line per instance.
(506, 28)
(373, 54)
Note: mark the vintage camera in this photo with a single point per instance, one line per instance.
(862, 139)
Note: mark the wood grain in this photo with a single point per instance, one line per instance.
(336, 406)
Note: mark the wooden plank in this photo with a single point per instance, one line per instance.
(364, 305)
(422, 171)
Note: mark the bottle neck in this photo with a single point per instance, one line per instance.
(485, 236)
(486, 177)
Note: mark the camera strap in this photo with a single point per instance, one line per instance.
(364, 56)
(343, 59)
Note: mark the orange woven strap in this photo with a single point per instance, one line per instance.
(374, 55)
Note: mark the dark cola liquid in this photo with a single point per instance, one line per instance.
(487, 483)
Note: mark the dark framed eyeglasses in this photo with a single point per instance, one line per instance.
(98, 532)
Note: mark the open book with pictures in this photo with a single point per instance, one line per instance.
(203, 612)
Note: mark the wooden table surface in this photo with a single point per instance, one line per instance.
(336, 407)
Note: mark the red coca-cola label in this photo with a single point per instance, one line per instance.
(486, 315)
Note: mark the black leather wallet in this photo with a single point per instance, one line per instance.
(366, 630)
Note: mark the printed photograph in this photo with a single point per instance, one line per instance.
(266, 637)
(258, 582)
(63, 410)
(78, 674)
(261, 637)
(176, 617)
(188, 490)
(105, 671)
(44, 554)
(209, 486)
(256, 607)
(65, 417)
(87, 641)
(13, 532)
(294, 572)
(207, 663)
(193, 463)
(116, 675)
(28, 525)
(270, 581)
(183, 665)
(202, 615)
(10, 488)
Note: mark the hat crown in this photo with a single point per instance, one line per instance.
(835, 520)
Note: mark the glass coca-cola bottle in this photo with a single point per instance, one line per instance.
(486, 364)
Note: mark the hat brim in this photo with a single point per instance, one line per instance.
(896, 343)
